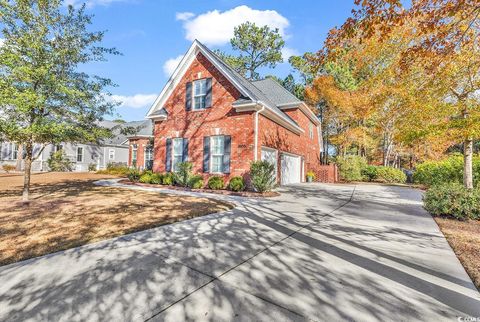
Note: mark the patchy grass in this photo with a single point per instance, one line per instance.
(464, 238)
(68, 210)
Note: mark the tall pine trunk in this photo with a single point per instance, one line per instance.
(467, 163)
(28, 170)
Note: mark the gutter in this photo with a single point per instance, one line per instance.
(255, 149)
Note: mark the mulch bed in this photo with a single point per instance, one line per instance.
(249, 194)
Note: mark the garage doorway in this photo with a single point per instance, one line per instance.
(291, 169)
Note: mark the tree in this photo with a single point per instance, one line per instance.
(44, 96)
(256, 46)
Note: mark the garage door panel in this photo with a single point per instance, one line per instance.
(291, 169)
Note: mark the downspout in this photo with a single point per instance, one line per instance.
(255, 156)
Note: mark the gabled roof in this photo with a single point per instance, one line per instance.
(260, 93)
(140, 128)
(276, 92)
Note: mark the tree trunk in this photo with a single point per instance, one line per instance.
(467, 163)
(18, 165)
(28, 169)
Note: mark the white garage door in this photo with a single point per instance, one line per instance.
(291, 169)
(270, 155)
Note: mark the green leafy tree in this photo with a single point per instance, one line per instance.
(44, 96)
(257, 46)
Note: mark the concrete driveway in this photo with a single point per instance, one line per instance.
(318, 252)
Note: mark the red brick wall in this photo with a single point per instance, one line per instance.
(141, 144)
(220, 119)
(275, 136)
(326, 173)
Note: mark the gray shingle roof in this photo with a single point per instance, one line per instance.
(122, 131)
(276, 92)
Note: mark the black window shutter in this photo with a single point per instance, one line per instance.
(226, 156)
(206, 154)
(168, 155)
(185, 150)
(208, 98)
(188, 96)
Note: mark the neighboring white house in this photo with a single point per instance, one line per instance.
(113, 150)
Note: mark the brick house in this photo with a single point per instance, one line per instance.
(213, 117)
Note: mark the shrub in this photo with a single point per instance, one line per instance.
(444, 171)
(59, 161)
(92, 167)
(8, 167)
(350, 167)
(236, 184)
(311, 174)
(370, 173)
(195, 182)
(262, 174)
(183, 174)
(116, 169)
(168, 179)
(156, 178)
(146, 177)
(215, 183)
(133, 175)
(453, 200)
(391, 175)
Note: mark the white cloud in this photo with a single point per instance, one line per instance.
(134, 101)
(182, 16)
(170, 65)
(287, 52)
(216, 27)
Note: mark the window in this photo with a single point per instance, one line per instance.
(14, 151)
(177, 153)
(58, 147)
(217, 151)
(310, 130)
(148, 153)
(199, 94)
(111, 154)
(79, 154)
(134, 155)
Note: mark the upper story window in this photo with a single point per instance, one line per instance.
(310, 130)
(199, 94)
(79, 154)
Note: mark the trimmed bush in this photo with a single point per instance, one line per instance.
(92, 167)
(448, 170)
(183, 174)
(262, 174)
(168, 179)
(216, 183)
(391, 175)
(133, 175)
(8, 167)
(453, 200)
(370, 173)
(145, 177)
(115, 169)
(236, 184)
(350, 167)
(156, 178)
(59, 161)
(195, 182)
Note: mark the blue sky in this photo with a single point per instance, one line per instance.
(152, 35)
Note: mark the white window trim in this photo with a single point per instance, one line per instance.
(310, 130)
(212, 155)
(173, 152)
(14, 151)
(110, 153)
(80, 154)
(201, 95)
(134, 149)
(145, 159)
